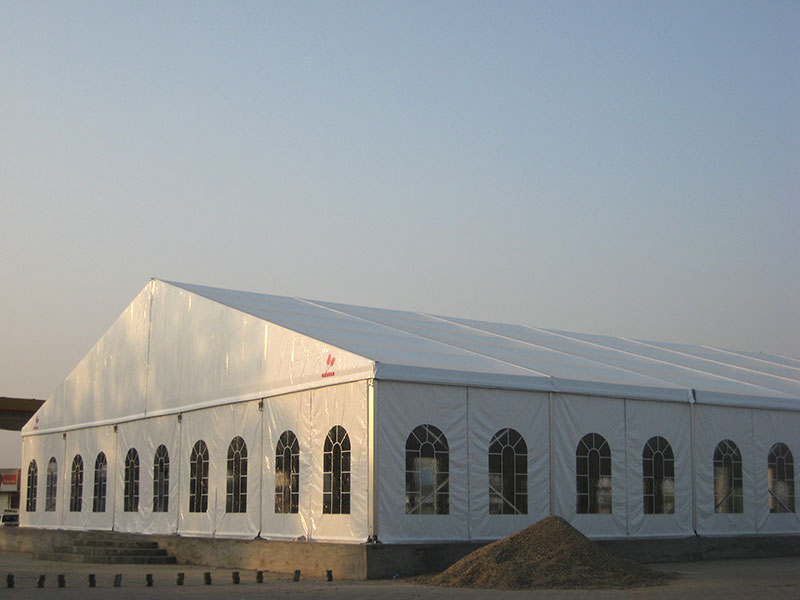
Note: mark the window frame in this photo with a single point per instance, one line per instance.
(287, 481)
(100, 483)
(594, 490)
(508, 479)
(777, 463)
(658, 493)
(198, 478)
(427, 462)
(51, 486)
(336, 472)
(161, 479)
(130, 494)
(32, 490)
(730, 484)
(236, 480)
(76, 484)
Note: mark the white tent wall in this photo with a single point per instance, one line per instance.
(217, 427)
(772, 427)
(491, 411)
(645, 420)
(344, 405)
(291, 412)
(204, 353)
(401, 407)
(109, 381)
(42, 448)
(145, 436)
(89, 443)
(713, 424)
(573, 418)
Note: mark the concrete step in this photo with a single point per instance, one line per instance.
(106, 559)
(106, 543)
(109, 551)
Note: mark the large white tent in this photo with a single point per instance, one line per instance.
(210, 412)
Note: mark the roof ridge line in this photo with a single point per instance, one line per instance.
(706, 372)
(735, 353)
(508, 337)
(424, 337)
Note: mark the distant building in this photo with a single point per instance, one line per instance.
(9, 489)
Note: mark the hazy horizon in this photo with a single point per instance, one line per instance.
(618, 168)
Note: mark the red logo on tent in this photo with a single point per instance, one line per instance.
(330, 361)
(36, 422)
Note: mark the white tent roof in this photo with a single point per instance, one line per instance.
(413, 346)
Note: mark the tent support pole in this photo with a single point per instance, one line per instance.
(552, 458)
(372, 492)
(694, 469)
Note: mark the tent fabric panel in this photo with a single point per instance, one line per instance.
(712, 425)
(346, 406)
(772, 427)
(146, 436)
(290, 412)
(491, 411)
(645, 420)
(401, 408)
(201, 351)
(42, 448)
(294, 361)
(197, 426)
(693, 373)
(89, 443)
(108, 381)
(242, 419)
(574, 417)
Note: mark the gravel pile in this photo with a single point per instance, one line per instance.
(550, 554)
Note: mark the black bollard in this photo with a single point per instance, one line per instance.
(180, 578)
(149, 578)
(118, 580)
(40, 582)
(235, 577)
(10, 580)
(259, 576)
(92, 580)
(62, 581)
(329, 575)
(207, 577)
(296, 575)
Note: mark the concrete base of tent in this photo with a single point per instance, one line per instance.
(375, 561)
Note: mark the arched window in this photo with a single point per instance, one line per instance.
(76, 485)
(100, 479)
(728, 494)
(131, 492)
(336, 472)
(658, 471)
(287, 473)
(236, 490)
(198, 478)
(51, 485)
(427, 472)
(33, 476)
(508, 474)
(780, 473)
(593, 469)
(161, 480)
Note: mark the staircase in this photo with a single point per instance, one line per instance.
(109, 548)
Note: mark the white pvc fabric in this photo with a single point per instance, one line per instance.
(243, 431)
(90, 444)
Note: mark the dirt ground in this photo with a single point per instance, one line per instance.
(777, 578)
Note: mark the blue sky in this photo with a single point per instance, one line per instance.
(626, 168)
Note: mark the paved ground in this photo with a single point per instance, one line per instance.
(730, 579)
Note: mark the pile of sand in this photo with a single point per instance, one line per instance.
(548, 554)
